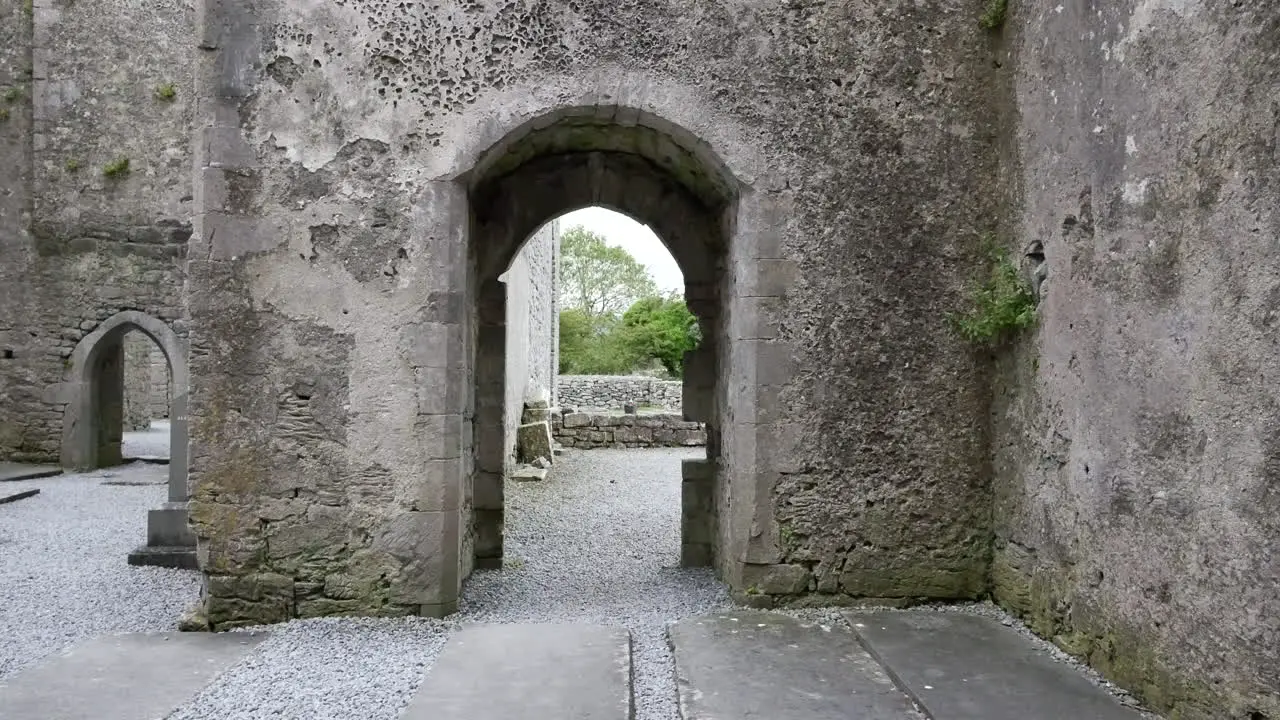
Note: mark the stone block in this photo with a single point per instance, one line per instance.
(777, 579)
(576, 420)
(533, 441)
(529, 474)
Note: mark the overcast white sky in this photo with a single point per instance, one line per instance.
(637, 239)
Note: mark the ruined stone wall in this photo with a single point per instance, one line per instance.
(97, 236)
(1137, 432)
(616, 430)
(137, 381)
(530, 350)
(611, 391)
(160, 392)
(329, 275)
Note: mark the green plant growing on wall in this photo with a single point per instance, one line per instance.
(993, 16)
(72, 165)
(1002, 305)
(116, 168)
(28, 7)
(166, 92)
(4, 114)
(11, 94)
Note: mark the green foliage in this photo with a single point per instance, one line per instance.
(166, 92)
(12, 93)
(662, 329)
(598, 278)
(993, 16)
(72, 164)
(1002, 305)
(594, 345)
(4, 114)
(116, 168)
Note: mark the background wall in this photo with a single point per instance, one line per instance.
(78, 244)
(1137, 436)
(532, 348)
(611, 391)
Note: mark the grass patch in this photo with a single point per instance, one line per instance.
(1003, 305)
(993, 17)
(116, 168)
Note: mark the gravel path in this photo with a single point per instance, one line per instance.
(149, 443)
(598, 542)
(64, 575)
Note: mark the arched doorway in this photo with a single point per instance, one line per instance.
(657, 174)
(92, 424)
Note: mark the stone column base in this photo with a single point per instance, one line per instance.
(170, 542)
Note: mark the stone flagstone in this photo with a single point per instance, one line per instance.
(968, 667)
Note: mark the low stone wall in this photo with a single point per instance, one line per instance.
(611, 391)
(594, 430)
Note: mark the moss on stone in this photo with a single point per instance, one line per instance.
(1125, 656)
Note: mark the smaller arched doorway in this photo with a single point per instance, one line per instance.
(93, 423)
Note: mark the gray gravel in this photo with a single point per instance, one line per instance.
(598, 541)
(63, 571)
(150, 443)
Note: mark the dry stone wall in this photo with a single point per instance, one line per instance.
(610, 430)
(611, 391)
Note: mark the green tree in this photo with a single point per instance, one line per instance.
(661, 328)
(594, 345)
(598, 278)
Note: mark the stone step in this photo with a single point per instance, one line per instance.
(968, 667)
(21, 471)
(123, 677)
(529, 672)
(745, 664)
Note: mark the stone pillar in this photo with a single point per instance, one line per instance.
(490, 428)
(108, 409)
(697, 513)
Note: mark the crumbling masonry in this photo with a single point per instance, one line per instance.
(321, 199)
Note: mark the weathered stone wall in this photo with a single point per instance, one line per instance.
(597, 430)
(137, 381)
(532, 350)
(1137, 433)
(828, 188)
(80, 243)
(611, 391)
(146, 382)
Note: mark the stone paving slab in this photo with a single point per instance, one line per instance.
(21, 471)
(529, 672)
(139, 676)
(969, 667)
(7, 497)
(767, 666)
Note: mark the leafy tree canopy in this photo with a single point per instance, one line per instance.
(597, 278)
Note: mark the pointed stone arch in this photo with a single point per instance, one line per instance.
(84, 391)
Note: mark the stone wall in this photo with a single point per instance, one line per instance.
(616, 430)
(823, 193)
(146, 382)
(1136, 435)
(137, 381)
(611, 391)
(82, 236)
(532, 346)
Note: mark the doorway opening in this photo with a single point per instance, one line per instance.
(654, 174)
